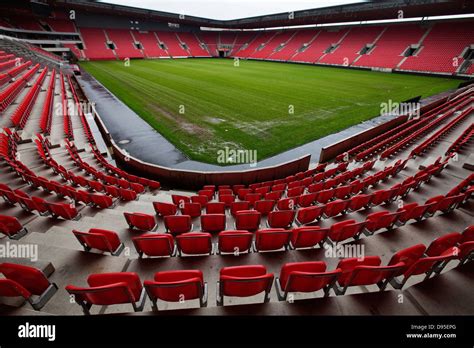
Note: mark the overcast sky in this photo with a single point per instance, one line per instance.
(229, 9)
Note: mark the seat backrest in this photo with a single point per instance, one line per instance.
(408, 256)
(247, 220)
(239, 206)
(348, 265)
(272, 239)
(179, 200)
(10, 288)
(243, 281)
(264, 206)
(140, 221)
(306, 276)
(281, 218)
(30, 278)
(343, 230)
(213, 222)
(154, 244)
(308, 236)
(425, 264)
(443, 243)
(215, 208)
(165, 209)
(235, 241)
(9, 225)
(191, 209)
(309, 214)
(177, 224)
(65, 211)
(194, 243)
(176, 286)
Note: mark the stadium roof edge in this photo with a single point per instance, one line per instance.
(385, 9)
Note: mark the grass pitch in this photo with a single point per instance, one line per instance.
(205, 105)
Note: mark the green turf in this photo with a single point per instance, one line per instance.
(247, 107)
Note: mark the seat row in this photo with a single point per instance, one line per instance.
(462, 140)
(8, 95)
(300, 277)
(425, 145)
(243, 281)
(22, 112)
(47, 111)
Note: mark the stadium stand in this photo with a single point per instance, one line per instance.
(404, 195)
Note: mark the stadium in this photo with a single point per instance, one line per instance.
(315, 162)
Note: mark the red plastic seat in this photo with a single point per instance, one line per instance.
(159, 245)
(443, 243)
(101, 201)
(281, 218)
(384, 196)
(273, 239)
(379, 220)
(295, 191)
(242, 192)
(164, 209)
(252, 197)
(244, 281)
(309, 214)
(191, 209)
(66, 211)
(325, 196)
(335, 208)
(215, 208)
(361, 201)
(307, 199)
(177, 224)
(305, 277)
(366, 271)
(425, 265)
(234, 242)
(273, 195)
(227, 199)
(110, 289)
(343, 192)
(179, 200)
(177, 286)
(412, 211)
(344, 230)
(287, 203)
(264, 207)
(238, 206)
(128, 195)
(140, 221)
(10, 226)
(99, 239)
(213, 222)
(28, 282)
(194, 243)
(307, 237)
(207, 193)
(247, 220)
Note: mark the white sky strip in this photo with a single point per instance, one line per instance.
(230, 9)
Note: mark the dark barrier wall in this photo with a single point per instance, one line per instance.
(189, 179)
